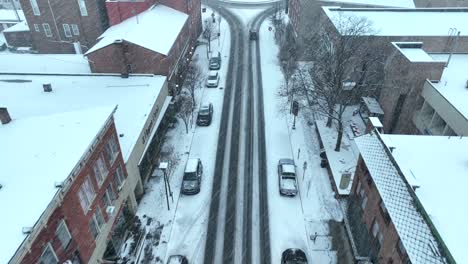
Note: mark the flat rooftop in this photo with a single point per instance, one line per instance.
(36, 153)
(406, 21)
(43, 63)
(155, 29)
(135, 96)
(9, 15)
(454, 81)
(440, 165)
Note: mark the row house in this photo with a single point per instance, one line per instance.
(405, 206)
(154, 41)
(60, 186)
(69, 26)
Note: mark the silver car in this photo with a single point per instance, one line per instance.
(287, 177)
(213, 79)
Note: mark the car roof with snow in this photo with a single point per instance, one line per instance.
(213, 73)
(288, 168)
(192, 165)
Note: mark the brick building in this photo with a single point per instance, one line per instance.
(138, 129)
(65, 26)
(394, 215)
(18, 35)
(157, 41)
(65, 203)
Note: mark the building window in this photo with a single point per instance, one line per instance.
(112, 150)
(75, 29)
(47, 31)
(63, 234)
(100, 170)
(35, 7)
(96, 222)
(36, 28)
(401, 250)
(82, 5)
(119, 177)
(384, 212)
(48, 256)
(363, 196)
(368, 177)
(359, 186)
(376, 233)
(109, 196)
(86, 194)
(67, 31)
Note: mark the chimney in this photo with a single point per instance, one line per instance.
(47, 87)
(4, 115)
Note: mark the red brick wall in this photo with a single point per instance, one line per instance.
(65, 12)
(372, 212)
(71, 211)
(118, 11)
(18, 39)
(113, 59)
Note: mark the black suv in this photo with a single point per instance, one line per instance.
(205, 115)
(293, 256)
(215, 62)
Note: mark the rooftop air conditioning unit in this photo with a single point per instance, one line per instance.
(47, 87)
(58, 184)
(27, 230)
(466, 85)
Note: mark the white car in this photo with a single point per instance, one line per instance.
(287, 177)
(213, 79)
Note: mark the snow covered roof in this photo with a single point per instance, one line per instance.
(155, 29)
(454, 80)
(9, 16)
(20, 27)
(36, 153)
(413, 51)
(440, 164)
(43, 63)
(375, 121)
(388, 3)
(135, 97)
(401, 21)
(192, 165)
(399, 199)
(372, 105)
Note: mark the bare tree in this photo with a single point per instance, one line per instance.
(347, 66)
(186, 109)
(208, 33)
(193, 80)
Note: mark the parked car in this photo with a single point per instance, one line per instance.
(213, 79)
(293, 256)
(177, 259)
(253, 35)
(287, 177)
(205, 115)
(215, 62)
(191, 182)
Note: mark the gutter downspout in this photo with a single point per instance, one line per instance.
(55, 21)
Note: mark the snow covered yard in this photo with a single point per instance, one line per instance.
(301, 221)
(184, 225)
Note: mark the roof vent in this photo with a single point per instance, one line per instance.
(27, 230)
(4, 115)
(58, 184)
(47, 87)
(466, 85)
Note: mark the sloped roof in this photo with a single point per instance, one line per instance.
(414, 231)
(155, 29)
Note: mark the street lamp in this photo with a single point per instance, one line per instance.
(164, 166)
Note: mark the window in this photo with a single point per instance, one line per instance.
(63, 234)
(75, 29)
(375, 228)
(86, 194)
(100, 170)
(82, 5)
(47, 31)
(36, 28)
(359, 186)
(119, 177)
(401, 249)
(368, 177)
(67, 31)
(109, 196)
(384, 212)
(96, 222)
(48, 256)
(35, 7)
(363, 199)
(112, 149)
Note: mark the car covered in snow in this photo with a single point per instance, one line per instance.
(205, 115)
(287, 177)
(293, 256)
(213, 79)
(177, 259)
(191, 182)
(215, 62)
